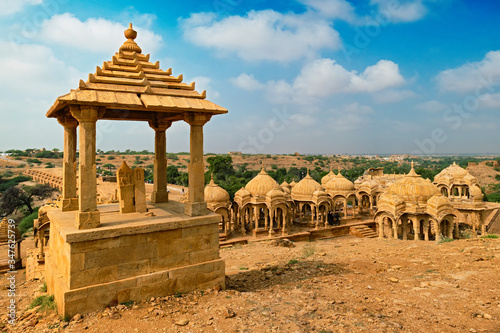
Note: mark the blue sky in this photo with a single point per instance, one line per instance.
(313, 76)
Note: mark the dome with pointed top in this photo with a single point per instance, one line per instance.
(370, 185)
(455, 171)
(285, 185)
(242, 193)
(261, 184)
(293, 183)
(413, 188)
(439, 201)
(274, 194)
(327, 177)
(215, 194)
(339, 184)
(306, 187)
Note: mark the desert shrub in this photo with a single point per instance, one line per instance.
(308, 250)
(445, 240)
(45, 302)
(491, 236)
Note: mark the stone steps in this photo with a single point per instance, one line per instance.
(490, 220)
(363, 231)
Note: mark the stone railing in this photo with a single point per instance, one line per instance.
(45, 178)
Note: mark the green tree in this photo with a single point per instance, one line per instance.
(221, 166)
(16, 197)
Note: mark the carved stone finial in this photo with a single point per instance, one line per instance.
(130, 45)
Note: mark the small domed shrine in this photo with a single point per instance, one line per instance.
(312, 202)
(342, 191)
(455, 182)
(414, 206)
(217, 200)
(262, 206)
(465, 194)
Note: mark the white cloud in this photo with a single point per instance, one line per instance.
(349, 117)
(333, 9)
(25, 74)
(203, 83)
(490, 100)
(471, 76)
(325, 77)
(393, 96)
(432, 106)
(262, 35)
(301, 120)
(396, 11)
(247, 82)
(10, 7)
(94, 34)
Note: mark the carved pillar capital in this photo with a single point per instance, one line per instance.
(160, 124)
(197, 119)
(67, 121)
(86, 113)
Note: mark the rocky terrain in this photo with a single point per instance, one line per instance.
(343, 284)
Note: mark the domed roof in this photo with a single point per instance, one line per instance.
(261, 184)
(413, 188)
(307, 186)
(454, 170)
(285, 185)
(369, 184)
(293, 183)
(4, 232)
(273, 194)
(242, 192)
(327, 177)
(476, 193)
(214, 193)
(438, 201)
(390, 199)
(470, 178)
(339, 183)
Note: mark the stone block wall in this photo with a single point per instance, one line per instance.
(87, 274)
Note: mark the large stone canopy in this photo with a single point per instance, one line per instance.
(130, 87)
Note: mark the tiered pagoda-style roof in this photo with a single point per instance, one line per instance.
(130, 87)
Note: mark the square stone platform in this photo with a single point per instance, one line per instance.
(131, 257)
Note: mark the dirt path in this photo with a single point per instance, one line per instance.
(338, 285)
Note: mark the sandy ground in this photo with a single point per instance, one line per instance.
(343, 284)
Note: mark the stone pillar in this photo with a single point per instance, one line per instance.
(450, 229)
(426, 230)
(316, 214)
(87, 216)
(69, 199)
(196, 205)
(256, 215)
(241, 218)
(395, 229)
(160, 193)
(381, 228)
(416, 229)
(266, 219)
(271, 224)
